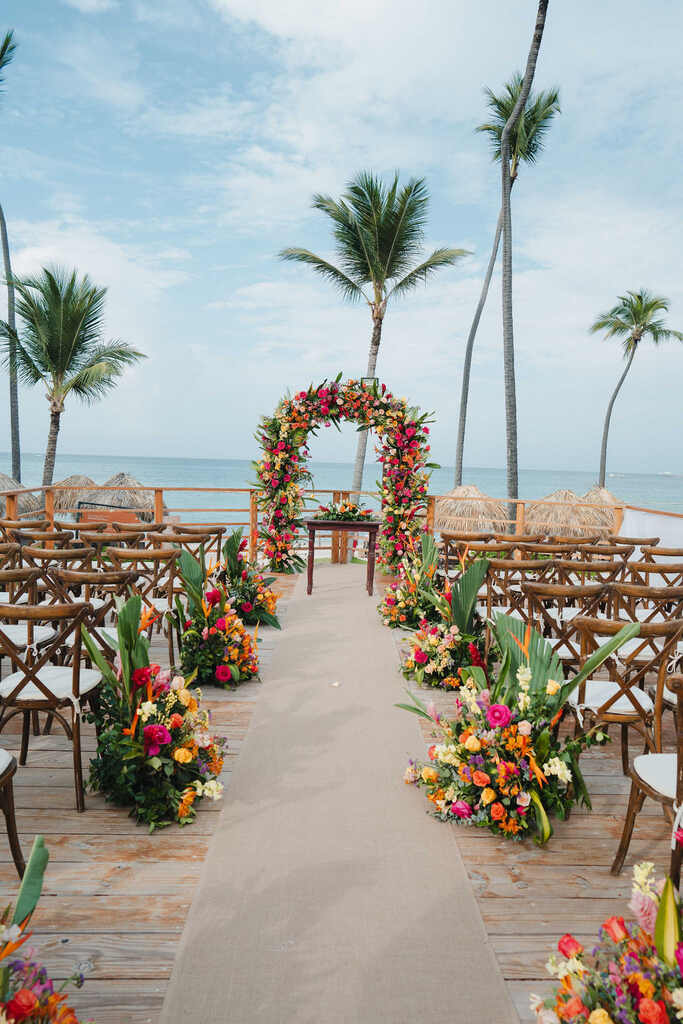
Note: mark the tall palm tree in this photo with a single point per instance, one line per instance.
(508, 338)
(61, 345)
(633, 318)
(526, 143)
(378, 232)
(7, 48)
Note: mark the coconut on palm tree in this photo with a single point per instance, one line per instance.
(526, 143)
(7, 48)
(61, 345)
(634, 318)
(508, 334)
(378, 232)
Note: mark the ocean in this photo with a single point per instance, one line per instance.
(655, 491)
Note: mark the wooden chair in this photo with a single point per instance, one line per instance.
(104, 540)
(580, 573)
(576, 542)
(8, 767)
(670, 554)
(211, 537)
(9, 554)
(44, 538)
(541, 550)
(505, 581)
(137, 525)
(639, 603)
(39, 686)
(468, 553)
(655, 574)
(554, 610)
(7, 525)
(448, 546)
(636, 542)
(658, 775)
(606, 552)
(153, 578)
(622, 699)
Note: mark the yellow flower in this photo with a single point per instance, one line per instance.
(429, 774)
(182, 755)
(552, 687)
(488, 795)
(184, 696)
(600, 1016)
(472, 744)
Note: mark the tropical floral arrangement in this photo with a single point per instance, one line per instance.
(439, 651)
(403, 451)
(155, 751)
(407, 600)
(215, 648)
(633, 973)
(345, 511)
(500, 762)
(27, 993)
(250, 592)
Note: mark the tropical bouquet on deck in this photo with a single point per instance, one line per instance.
(215, 648)
(344, 512)
(438, 651)
(633, 973)
(27, 993)
(500, 762)
(155, 750)
(249, 591)
(406, 602)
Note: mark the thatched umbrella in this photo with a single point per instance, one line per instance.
(65, 501)
(564, 514)
(466, 510)
(123, 496)
(27, 502)
(601, 496)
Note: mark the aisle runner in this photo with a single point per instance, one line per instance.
(328, 895)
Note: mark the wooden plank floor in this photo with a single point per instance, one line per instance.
(530, 896)
(115, 898)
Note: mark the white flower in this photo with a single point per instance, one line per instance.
(644, 878)
(677, 1000)
(213, 789)
(555, 766)
(10, 933)
(177, 683)
(146, 710)
(524, 676)
(523, 701)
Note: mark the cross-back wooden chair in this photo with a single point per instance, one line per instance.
(553, 609)
(505, 581)
(636, 542)
(646, 604)
(137, 526)
(606, 552)
(44, 538)
(519, 538)
(655, 574)
(622, 698)
(579, 573)
(8, 525)
(8, 767)
(659, 775)
(37, 685)
(47, 559)
(576, 542)
(449, 546)
(105, 540)
(190, 542)
(544, 549)
(211, 537)
(468, 552)
(99, 589)
(666, 554)
(153, 573)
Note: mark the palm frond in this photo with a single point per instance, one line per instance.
(28, 371)
(7, 50)
(99, 375)
(528, 136)
(418, 275)
(634, 317)
(349, 289)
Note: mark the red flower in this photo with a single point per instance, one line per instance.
(568, 946)
(616, 928)
(176, 720)
(572, 1008)
(223, 674)
(155, 736)
(141, 676)
(247, 607)
(651, 1012)
(21, 1005)
(213, 597)
(420, 657)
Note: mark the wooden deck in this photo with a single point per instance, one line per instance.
(116, 899)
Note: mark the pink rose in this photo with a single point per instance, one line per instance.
(220, 624)
(155, 736)
(498, 716)
(421, 658)
(213, 597)
(461, 809)
(223, 674)
(645, 909)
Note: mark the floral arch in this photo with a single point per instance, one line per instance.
(402, 449)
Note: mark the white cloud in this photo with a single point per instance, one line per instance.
(101, 68)
(92, 6)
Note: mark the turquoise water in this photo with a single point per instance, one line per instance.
(657, 491)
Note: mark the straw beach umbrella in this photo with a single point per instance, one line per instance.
(27, 502)
(124, 496)
(65, 501)
(466, 509)
(563, 515)
(598, 495)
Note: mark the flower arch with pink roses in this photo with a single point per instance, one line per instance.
(402, 449)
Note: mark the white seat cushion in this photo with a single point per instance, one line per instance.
(57, 679)
(598, 691)
(5, 598)
(5, 759)
(658, 771)
(18, 633)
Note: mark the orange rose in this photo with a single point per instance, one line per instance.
(651, 1012)
(480, 778)
(497, 811)
(572, 1008)
(429, 774)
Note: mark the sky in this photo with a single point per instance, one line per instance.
(170, 149)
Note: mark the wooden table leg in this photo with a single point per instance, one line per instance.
(311, 556)
(372, 541)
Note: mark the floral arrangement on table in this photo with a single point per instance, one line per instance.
(27, 993)
(215, 648)
(248, 590)
(499, 762)
(633, 973)
(439, 651)
(155, 751)
(403, 451)
(344, 512)
(406, 602)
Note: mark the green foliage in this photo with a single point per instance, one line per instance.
(667, 926)
(528, 135)
(633, 318)
(32, 882)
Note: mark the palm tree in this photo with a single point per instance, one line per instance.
(378, 233)
(633, 318)
(508, 338)
(526, 143)
(7, 48)
(61, 345)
